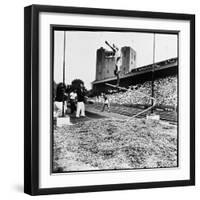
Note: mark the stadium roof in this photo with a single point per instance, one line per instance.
(169, 63)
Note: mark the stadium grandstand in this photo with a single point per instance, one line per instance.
(140, 75)
(140, 79)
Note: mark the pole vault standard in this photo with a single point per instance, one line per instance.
(153, 70)
(64, 120)
(63, 103)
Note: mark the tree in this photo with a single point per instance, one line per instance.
(76, 83)
(60, 92)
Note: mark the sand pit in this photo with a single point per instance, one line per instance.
(106, 144)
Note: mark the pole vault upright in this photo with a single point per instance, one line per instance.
(63, 103)
(153, 70)
(64, 119)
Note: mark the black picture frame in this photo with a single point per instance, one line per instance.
(31, 98)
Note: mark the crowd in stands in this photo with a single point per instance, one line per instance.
(165, 92)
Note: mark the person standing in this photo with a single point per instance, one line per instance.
(61, 98)
(106, 103)
(73, 96)
(80, 101)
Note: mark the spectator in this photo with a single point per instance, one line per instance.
(80, 101)
(73, 96)
(165, 92)
(60, 99)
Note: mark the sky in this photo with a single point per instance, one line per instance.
(81, 47)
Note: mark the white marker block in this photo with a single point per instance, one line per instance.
(153, 117)
(63, 121)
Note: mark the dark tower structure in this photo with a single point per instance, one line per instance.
(128, 60)
(105, 62)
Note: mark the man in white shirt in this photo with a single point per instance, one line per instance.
(73, 96)
(80, 101)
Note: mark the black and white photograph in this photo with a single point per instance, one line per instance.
(109, 99)
(114, 99)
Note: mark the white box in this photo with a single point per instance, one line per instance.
(63, 121)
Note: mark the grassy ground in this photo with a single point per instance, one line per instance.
(112, 143)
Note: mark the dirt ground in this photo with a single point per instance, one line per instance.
(111, 143)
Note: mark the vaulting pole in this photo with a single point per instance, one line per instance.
(63, 103)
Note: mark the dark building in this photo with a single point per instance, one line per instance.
(128, 60)
(139, 75)
(105, 63)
